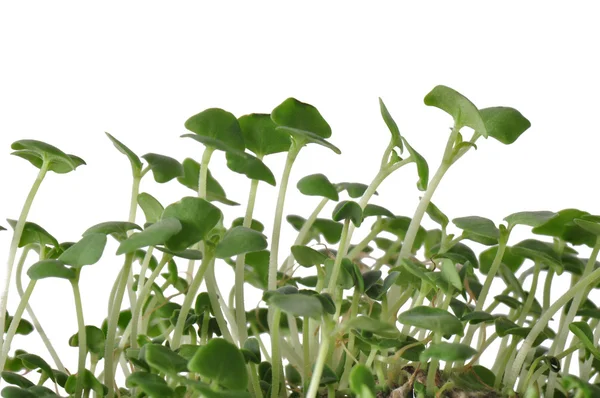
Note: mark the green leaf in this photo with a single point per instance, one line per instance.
(301, 116)
(249, 166)
(222, 362)
(331, 230)
(87, 251)
(477, 317)
(511, 259)
(450, 274)
(16, 379)
(252, 350)
(214, 190)
(399, 225)
(318, 185)
(136, 163)
(298, 304)
(152, 385)
(156, 234)
(116, 229)
(328, 376)
(36, 152)
(307, 257)
(2, 228)
(509, 301)
(422, 167)
(165, 360)
(218, 129)
(254, 224)
(434, 319)
(50, 269)
(478, 229)
(563, 226)
(188, 254)
(588, 390)
(375, 210)
(354, 189)
(240, 240)
(590, 226)
(33, 233)
(33, 362)
(530, 218)
(504, 124)
(538, 251)
(448, 352)
(15, 392)
(372, 325)
(90, 383)
(348, 210)
(150, 206)
(261, 135)
(94, 338)
(437, 215)
(362, 382)
(197, 218)
(391, 124)
(584, 333)
(23, 328)
(164, 168)
(458, 106)
(307, 136)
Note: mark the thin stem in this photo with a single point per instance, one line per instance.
(142, 280)
(208, 151)
(351, 341)
(82, 339)
(12, 330)
(111, 333)
(338, 260)
(539, 326)
(14, 244)
(548, 289)
(530, 296)
(255, 381)
(272, 276)
(376, 228)
(211, 289)
(240, 262)
(190, 296)
(318, 370)
(306, 353)
(34, 320)
(276, 354)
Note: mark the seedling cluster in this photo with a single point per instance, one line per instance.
(413, 321)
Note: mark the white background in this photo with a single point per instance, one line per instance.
(71, 71)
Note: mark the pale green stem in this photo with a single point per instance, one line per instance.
(306, 353)
(320, 363)
(335, 273)
(229, 316)
(375, 230)
(548, 289)
(211, 289)
(272, 277)
(14, 244)
(136, 317)
(112, 327)
(351, 340)
(294, 334)
(586, 367)
(416, 303)
(506, 355)
(530, 296)
(539, 326)
(432, 369)
(82, 340)
(15, 323)
(34, 320)
(302, 234)
(394, 308)
(371, 357)
(559, 341)
(533, 374)
(255, 380)
(240, 262)
(142, 281)
(276, 354)
(190, 296)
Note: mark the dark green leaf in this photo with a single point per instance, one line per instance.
(23, 328)
(216, 128)
(298, 304)
(152, 385)
(331, 230)
(249, 166)
(307, 136)
(261, 135)
(318, 185)
(512, 260)
(504, 124)
(479, 229)
(33, 362)
(16, 392)
(399, 225)
(94, 338)
(477, 317)
(328, 376)
(164, 168)
(165, 360)
(87, 251)
(348, 210)
(307, 257)
(252, 346)
(136, 163)
(538, 251)
(584, 333)
(36, 152)
(197, 217)
(450, 274)
(373, 325)
(354, 189)
(590, 226)
(422, 167)
(240, 240)
(437, 215)
(150, 206)
(189, 254)
(156, 234)
(379, 211)
(391, 124)
(90, 383)
(530, 218)
(254, 224)
(50, 269)
(16, 379)
(458, 106)
(214, 190)
(362, 382)
(116, 229)
(33, 233)
(563, 226)
(293, 377)
(222, 362)
(299, 115)
(448, 352)
(509, 301)
(434, 319)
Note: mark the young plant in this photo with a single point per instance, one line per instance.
(403, 312)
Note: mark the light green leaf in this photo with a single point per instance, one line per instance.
(437, 215)
(307, 257)
(152, 385)
(478, 229)
(301, 116)
(87, 251)
(435, 319)
(156, 234)
(136, 163)
(504, 124)
(450, 274)
(50, 269)
(261, 135)
(214, 190)
(584, 333)
(116, 229)
(422, 166)
(298, 304)
(362, 382)
(164, 168)
(216, 128)
(36, 152)
(222, 362)
(150, 206)
(249, 166)
(33, 233)
(391, 124)
(448, 352)
(165, 360)
(530, 218)
(318, 185)
(458, 106)
(240, 240)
